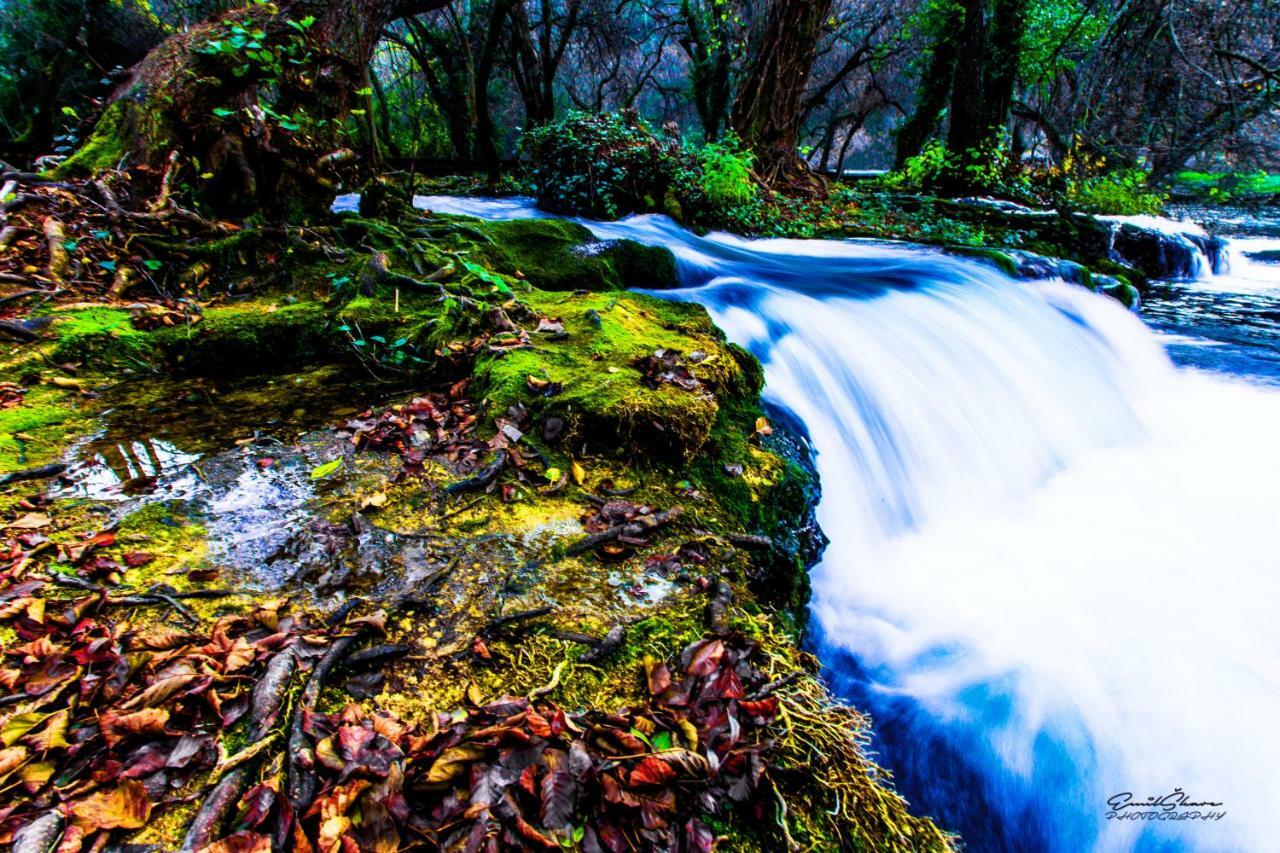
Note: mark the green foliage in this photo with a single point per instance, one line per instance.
(603, 165)
(248, 52)
(922, 170)
(1125, 191)
(55, 57)
(1058, 32)
(1228, 187)
(726, 173)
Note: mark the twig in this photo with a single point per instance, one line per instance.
(300, 781)
(749, 539)
(640, 526)
(512, 618)
(44, 472)
(376, 656)
(611, 643)
(481, 480)
(774, 686)
(552, 684)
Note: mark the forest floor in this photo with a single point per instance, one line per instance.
(394, 531)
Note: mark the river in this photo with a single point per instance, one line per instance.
(1052, 575)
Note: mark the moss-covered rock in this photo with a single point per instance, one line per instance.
(591, 380)
(554, 254)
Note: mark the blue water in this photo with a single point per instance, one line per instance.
(1052, 572)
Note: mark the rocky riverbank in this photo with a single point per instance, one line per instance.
(399, 529)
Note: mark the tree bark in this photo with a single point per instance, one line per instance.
(985, 76)
(254, 102)
(933, 91)
(767, 110)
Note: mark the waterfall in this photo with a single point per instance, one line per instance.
(1052, 574)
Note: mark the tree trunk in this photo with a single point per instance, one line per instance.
(254, 102)
(985, 77)
(706, 43)
(933, 91)
(766, 113)
(485, 142)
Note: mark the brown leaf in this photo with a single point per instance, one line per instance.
(240, 842)
(453, 762)
(161, 691)
(117, 727)
(11, 759)
(159, 638)
(125, 806)
(659, 676)
(134, 559)
(559, 797)
(704, 657)
(30, 521)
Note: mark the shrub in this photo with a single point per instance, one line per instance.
(602, 166)
(726, 173)
(1120, 192)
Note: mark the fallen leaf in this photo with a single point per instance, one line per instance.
(652, 771)
(321, 471)
(123, 807)
(31, 521)
(117, 727)
(453, 762)
(17, 726)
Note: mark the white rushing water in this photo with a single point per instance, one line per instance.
(1052, 574)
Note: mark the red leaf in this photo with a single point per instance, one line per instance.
(704, 657)
(133, 559)
(559, 796)
(652, 771)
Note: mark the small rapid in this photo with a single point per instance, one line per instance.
(1052, 574)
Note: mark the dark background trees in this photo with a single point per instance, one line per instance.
(1157, 84)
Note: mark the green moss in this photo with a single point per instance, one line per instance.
(105, 148)
(100, 337)
(553, 254)
(603, 400)
(176, 541)
(243, 338)
(1002, 260)
(39, 430)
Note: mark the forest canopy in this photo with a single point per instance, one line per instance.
(971, 88)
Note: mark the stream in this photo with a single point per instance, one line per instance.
(1052, 575)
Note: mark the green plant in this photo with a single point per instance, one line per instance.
(726, 173)
(604, 165)
(922, 169)
(1125, 191)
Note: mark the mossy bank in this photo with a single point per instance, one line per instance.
(546, 482)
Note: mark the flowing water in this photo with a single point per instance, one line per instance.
(1052, 575)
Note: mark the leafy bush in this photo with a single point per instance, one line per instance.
(53, 55)
(921, 170)
(1228, 187)
(1085, 182)
(726, 173)
(1120, 192)
(603, 165)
